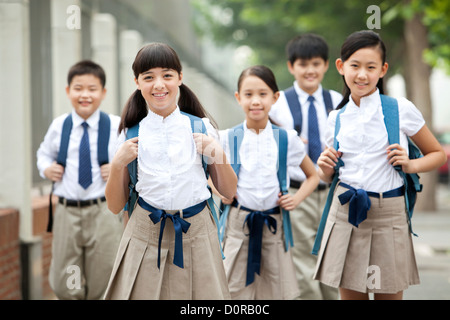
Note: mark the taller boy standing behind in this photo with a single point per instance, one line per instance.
(305, 107)
(75, 155)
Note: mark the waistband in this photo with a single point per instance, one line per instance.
(359, 201)
(274, 210)
(397, 192)
(180, 225)
(80, 203)
(297, 184)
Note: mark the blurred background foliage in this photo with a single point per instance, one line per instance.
(267, 25)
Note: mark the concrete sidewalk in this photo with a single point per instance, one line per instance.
(432, 247)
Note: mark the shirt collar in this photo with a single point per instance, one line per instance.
(267, 129)
(304, 96)
(92, 121)
(156, 118)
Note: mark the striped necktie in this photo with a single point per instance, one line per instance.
(84, 169)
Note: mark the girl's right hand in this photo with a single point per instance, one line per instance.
(127, 152)
(328, 160)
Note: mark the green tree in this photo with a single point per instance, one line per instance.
(416, 33)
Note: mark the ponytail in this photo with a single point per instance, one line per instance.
(189, 103)
(134, 111)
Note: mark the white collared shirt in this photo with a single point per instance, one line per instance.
(47, 153)
(258, 185)
(363, 140)
(170, 171)
(281, 114)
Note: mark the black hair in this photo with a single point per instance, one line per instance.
(307, 46)
(158, 55)
(86, 67)
(265, 74)
(262, 72)
(354, 42)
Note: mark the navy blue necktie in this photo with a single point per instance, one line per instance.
(315, 147)
(84, 169)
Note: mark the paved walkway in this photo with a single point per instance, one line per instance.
(432, 247)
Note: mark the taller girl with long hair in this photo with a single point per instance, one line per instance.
(151, 262)
(379, 241)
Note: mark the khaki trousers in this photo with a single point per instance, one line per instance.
(85, 243)
(305, 222)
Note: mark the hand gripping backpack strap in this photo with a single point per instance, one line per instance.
(235, 136)
(132, 172)
(282, 141)
(326, 210)
(411, 181)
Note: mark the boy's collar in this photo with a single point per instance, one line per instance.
(92, 120)
(302, 94)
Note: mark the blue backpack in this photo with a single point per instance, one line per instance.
(132, 166)
(235, 136)
(410, 180)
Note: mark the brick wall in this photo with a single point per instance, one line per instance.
(10, 266)
(40, 219)
(10, 286)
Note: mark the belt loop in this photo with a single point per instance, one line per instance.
(381, 200)
(64, 202)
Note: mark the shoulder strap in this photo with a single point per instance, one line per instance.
(411, 181)
(64, 144)
(281, 138)
(327, 101)
(132, 172)
(323, 220)
(295, 107)
(198, 126)
(235, 136)
(104, 130)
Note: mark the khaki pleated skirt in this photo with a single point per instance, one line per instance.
(378, 256)
(277, 278)
(136, 275)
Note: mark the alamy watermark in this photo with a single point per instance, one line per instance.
(374, 21)
(374, 279)
(73, 21)
(74, 280)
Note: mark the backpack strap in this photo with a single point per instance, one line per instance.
(411, 180)
(282, 141)
(104, 130)
(64, 144)
(132, 172)
(295, 107)
(334, 183)
(327, 101)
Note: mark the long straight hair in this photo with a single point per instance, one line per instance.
(354, 42)
(158, 55)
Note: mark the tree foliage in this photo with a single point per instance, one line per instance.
(267, 25)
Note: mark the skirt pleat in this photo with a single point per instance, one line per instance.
(137, 276)
(377, 256)
(277, 278)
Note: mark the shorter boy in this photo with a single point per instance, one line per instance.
(74, 155)
(305, 107)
